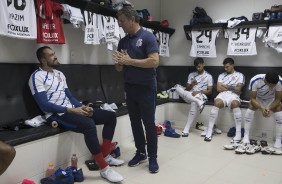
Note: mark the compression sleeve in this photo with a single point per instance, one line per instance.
(72, 99)
(45, 106)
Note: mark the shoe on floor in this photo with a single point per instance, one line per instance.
(111, 175)
(137, 159)
(204, 133)
(267, 150)
(233, 145)
(200, 126)
(216, 130)
(92, 165)
(76, 172)
(241, 149)
(208, 139)
(253, 148)
(184, 134)
(170, 132)
(113, 161)
(277, 143)
(231, 132)
(59, 176)
(153, 165)
(277, 151)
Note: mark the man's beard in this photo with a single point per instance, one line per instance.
(56, 65)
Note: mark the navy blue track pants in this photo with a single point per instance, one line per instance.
(87, 126)
(141, 103)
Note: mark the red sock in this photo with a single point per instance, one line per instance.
(99, 158)
(106, 147)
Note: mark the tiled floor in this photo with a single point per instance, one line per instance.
(194, 161)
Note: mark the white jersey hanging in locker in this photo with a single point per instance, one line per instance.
(91, 34)
(242, 41)
(18, 19)
(163, 39)
(203, 43)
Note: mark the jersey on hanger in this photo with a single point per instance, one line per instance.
(17, 19)
(92, 32)
(163, 39)
(242, 41)
(203, 43)
(49, 25)
(273, 38)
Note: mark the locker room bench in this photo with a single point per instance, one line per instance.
(87, 82)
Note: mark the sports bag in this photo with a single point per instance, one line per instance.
(200, 17)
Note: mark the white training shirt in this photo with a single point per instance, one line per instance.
(257, 84)
(204, 80)
(231, 79)
(54, 83)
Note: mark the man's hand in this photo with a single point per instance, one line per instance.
(265, 112)
(79, 110)
(88, 109)
(195, 92)
(121, 58)
(194, 82)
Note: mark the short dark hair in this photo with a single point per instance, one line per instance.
(40, 52)
(272, 77)
(128, 12)
(198, 61)
(228, 60)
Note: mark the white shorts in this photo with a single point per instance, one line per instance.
(227, 97)
(265, 102)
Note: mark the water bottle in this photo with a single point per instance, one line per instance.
(74, 160)
(50, 169)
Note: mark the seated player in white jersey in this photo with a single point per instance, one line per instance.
(229, 86)
(265, 95)
(199, 85)
(49, 89)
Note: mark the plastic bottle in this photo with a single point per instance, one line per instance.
(74, 160)
(50, 169)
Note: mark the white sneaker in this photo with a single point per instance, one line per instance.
(232, 146)
(277, 152)
(113, 161)
(251, 149)
(217, 130)
(241, 148)
(111, 175)
(277, 143)
(267, 150)
(204, 133)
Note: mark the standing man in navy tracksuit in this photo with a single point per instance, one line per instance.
(137, 55)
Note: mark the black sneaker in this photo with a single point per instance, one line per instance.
(137, 159)
(153, 165)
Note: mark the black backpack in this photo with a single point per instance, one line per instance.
(200, 17)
